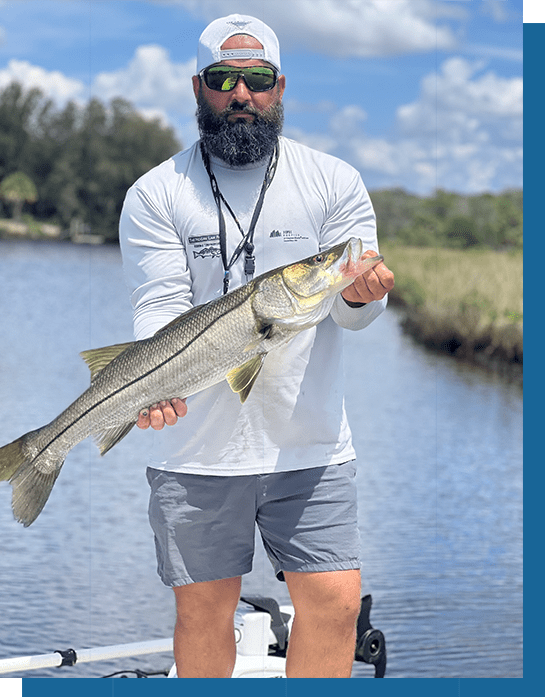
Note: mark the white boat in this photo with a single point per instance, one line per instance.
(262, 629)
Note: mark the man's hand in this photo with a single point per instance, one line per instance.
(163, 413)
(371, 285)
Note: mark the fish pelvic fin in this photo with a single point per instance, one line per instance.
(111, 436)
(31, 486)
(242, 379)
(99, 358)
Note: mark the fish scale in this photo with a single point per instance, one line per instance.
(225, 339)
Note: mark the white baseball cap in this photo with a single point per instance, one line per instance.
(218, 31)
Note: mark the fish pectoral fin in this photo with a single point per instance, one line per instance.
(265, 332)
(111, 436)
(242, 379)
(99, 358)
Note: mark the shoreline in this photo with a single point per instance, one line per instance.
(467, 304)
(483, 350)
(465, 330)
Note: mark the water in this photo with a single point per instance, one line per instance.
(440, 487)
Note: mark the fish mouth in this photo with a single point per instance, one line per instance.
(352, 263)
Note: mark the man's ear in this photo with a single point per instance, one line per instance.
(196, 85)
(281, 84)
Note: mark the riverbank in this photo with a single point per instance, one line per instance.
(467, 303)
(464, 302)
(30, 229)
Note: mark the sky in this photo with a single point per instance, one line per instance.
(416, 94)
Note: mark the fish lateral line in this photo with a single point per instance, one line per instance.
(96, 357)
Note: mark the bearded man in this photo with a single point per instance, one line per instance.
(241, 201)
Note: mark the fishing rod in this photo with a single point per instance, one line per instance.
(261, 632)
(70, 657)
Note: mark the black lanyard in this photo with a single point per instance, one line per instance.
(247, 242)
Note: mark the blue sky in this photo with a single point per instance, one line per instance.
(418, 94)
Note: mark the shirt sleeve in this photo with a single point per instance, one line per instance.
(154, 262)
(356, 318)
(351, 214)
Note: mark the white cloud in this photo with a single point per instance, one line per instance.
(151, 81)
(319, 141)
(158, 88)
(497, 9)
(455, 98)
(54, 84)
(514, 55)
(348, 28)
(464, 132)
(296, 106)
(348, 121)
(470, 124)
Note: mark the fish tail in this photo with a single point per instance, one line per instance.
(31, 486)
(11, 458)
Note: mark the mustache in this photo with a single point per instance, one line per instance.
(237, 108)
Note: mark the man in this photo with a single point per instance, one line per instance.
(241, 201)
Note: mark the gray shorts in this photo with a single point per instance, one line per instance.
(205, 525)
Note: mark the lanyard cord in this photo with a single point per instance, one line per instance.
(246, 243)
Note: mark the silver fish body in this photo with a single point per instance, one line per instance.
(225, 339)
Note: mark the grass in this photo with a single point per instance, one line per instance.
(468, 302)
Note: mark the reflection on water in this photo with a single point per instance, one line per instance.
(440, 482)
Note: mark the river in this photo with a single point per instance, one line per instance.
(440, 490)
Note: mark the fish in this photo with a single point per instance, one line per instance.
(227, 338)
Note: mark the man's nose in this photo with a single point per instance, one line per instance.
(241, 93)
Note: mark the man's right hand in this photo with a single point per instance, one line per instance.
(163, 413)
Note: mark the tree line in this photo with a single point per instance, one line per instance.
(80, 159)
(446, 219)
(77, 163)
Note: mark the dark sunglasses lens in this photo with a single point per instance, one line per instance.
(224, 79)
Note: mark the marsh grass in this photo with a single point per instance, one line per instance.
(468, 303)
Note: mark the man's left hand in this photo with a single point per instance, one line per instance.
(371, 285)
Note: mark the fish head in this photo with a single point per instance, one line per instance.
(329, 272)
(301, 294)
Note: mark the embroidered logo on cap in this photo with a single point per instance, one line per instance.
(239, 24)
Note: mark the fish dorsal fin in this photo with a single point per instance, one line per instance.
(242, 379)
(99, 358)
(111, 436)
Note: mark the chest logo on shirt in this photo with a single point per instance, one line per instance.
(288, 235)
(205, 246)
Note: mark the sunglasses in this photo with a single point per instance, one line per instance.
(224, 78)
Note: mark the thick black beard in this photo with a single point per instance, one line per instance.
(241, 142)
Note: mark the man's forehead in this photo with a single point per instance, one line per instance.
(241, 41)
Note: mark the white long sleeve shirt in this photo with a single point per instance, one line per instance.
(294, 417)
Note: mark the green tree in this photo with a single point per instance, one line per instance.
(509, 219)
(442, 203)
(17, 110)
(55, 164)
(447, 219)
(82, 159)
(395, 209)
(461, 232)
(17, 188)
(114, 147)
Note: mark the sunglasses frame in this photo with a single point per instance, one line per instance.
(241, 73)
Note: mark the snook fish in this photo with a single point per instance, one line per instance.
(225, 339)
